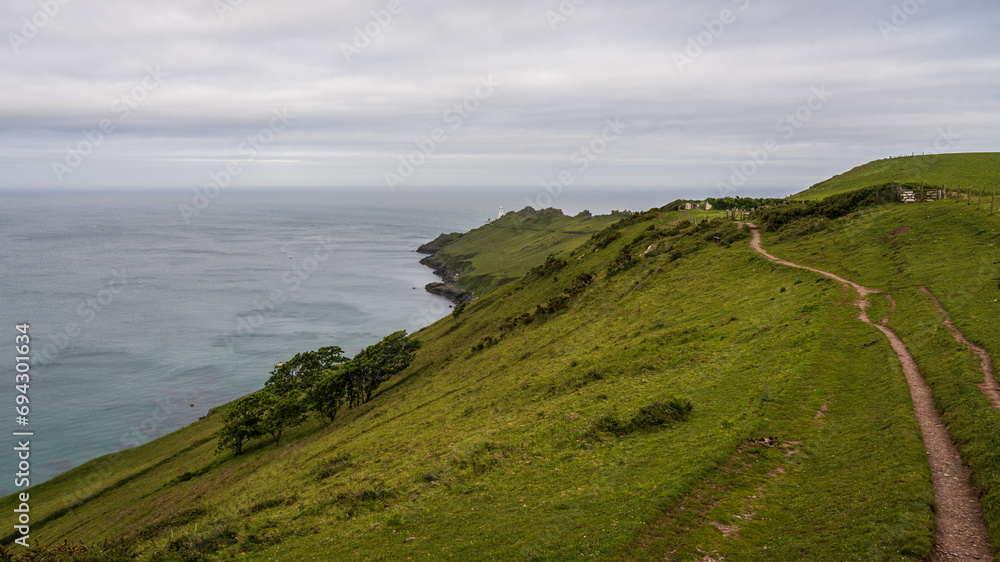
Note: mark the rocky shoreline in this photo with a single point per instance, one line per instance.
(446, 288)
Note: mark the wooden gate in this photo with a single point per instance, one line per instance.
(919, 195)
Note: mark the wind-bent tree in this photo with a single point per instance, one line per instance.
(283, 412)
(244, 421)
(377, 363)
(329, 392)
(299, 373)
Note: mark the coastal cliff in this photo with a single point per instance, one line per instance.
(446, 288)
(473, 264)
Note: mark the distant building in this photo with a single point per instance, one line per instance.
(500, 215)
(708, 206)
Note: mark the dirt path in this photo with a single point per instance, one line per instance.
(961, 533)
(989, 385)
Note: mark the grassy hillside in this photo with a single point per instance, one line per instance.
(525, 429)
(507, 248)
(951, 249)
(979, 170)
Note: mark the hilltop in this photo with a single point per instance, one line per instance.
(650, 388)
(980, 169)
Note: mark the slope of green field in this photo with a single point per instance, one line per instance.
(952, 249)
(978, 169)
(504, 439)
(505, 249)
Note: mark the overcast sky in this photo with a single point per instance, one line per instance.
(622, 93)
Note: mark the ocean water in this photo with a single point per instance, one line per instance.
(142, 318)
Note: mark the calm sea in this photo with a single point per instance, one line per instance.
(142, 318)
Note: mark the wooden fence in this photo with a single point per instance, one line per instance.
(970, 194)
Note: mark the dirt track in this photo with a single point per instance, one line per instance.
(961, 533)
(989, 385)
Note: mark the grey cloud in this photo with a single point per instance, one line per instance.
(562, 75)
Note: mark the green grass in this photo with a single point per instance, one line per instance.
(505, 249)
(799, 496)
(498, 453)
(981, 169)
(951, 248)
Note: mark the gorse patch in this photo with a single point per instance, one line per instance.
(658, 415)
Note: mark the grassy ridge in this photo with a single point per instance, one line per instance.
(499, 453)
(505, 249)
(953, 170)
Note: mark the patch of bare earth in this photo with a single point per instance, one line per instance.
(727, 530)
(961, 533)
(897, 232)
(989, 385)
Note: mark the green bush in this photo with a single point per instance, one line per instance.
(661, 414)
(776, 218)
(552, 264)
(803, 227)
(606, 236)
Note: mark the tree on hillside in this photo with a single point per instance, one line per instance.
(283, 412)
(329, 392)
(244, 420)
(376, 364)
(300, 372)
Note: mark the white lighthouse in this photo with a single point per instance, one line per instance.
(500, 215)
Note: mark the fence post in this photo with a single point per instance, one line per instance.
(981, 193)
(993, 199)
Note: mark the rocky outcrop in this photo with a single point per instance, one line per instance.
(436, 245)
(429, 248)
(442, 269)
(530, 212)
(449, 291)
